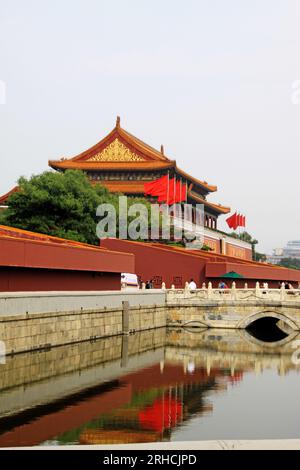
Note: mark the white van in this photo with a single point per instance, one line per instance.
(129, 281)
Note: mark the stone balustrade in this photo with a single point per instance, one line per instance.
(208, 293)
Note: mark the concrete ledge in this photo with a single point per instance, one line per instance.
(104, 310)
(23, 303)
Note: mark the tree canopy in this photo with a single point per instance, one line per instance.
(293, 263)
(60, 204)
(244, 236)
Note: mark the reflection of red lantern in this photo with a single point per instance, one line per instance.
(164, 413)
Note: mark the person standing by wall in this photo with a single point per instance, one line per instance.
(192, 285)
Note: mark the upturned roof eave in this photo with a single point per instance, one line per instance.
(216, 207)
(144, 150)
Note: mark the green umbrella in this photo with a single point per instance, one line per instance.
(232, 275)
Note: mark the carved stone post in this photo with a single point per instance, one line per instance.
(257, 289)
(266, 289)
(186, 290)
(282, 292)
(233, 291)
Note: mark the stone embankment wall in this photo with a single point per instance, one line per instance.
(57, 319)
(43, 320)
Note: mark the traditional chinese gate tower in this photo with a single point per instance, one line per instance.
(123, 163)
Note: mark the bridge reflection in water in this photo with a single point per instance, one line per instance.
(147, 387)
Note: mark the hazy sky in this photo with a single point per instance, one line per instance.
(210, 79)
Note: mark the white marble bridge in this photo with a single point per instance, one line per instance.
(234, 307)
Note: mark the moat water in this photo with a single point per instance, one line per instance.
(159, 385)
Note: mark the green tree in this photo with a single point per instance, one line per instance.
(59, 204)
(293, 263)
(62, 205)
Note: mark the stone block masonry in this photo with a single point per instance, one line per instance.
(42, 320)
(26, 331)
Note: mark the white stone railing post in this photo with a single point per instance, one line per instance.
(282, 292)
(163, 286)
(186, 290)
(257, 289)
(246, 285)
(143, 286)
(233, 291)
(266, 290)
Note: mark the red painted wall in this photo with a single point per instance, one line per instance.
(239, 252)
(47, 264)
(38, 254)
(252, 272)
(161, 265)
(176, 266)
(31, 279)
(231, 249)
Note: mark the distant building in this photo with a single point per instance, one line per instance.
(276, 257)
(292, 250)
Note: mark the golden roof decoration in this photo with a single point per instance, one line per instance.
(116, 151)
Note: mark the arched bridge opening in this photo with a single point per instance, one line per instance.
(266, 329)
(269, 327)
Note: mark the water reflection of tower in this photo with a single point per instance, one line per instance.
(177, 399)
